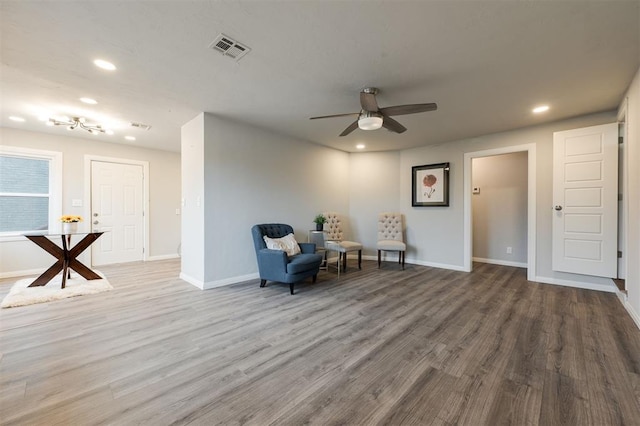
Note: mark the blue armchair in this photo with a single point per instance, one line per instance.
(275, 265)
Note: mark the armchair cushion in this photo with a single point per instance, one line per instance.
(302, 263)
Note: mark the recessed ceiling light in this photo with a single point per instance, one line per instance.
(541, 108)
(360, 146)
(105, 65)
(18, 119)
(88, 101)
(130, 138)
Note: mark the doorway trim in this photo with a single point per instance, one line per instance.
(88, 158)
(624, 166)
(530, 148)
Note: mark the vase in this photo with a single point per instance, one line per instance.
(69, 227)
(319, 226)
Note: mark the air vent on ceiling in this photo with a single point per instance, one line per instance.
(140, 126)
(229, 47)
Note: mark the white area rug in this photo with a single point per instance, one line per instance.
(21, 295)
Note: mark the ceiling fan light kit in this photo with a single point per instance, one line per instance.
(370, 121)
(372, 117)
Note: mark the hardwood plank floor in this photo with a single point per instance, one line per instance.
(422, 346)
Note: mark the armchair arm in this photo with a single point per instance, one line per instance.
(307, 247)
(273, 259)
(272, 264)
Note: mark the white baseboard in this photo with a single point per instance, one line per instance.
(436, 265)
(500, 262)
(162, 257)
(609, 288)
(228, 281)
(218, 283)
(191, 280)
(419, 262)
(632, 312)
(23, 273)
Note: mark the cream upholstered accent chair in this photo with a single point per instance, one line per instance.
(390, 235)
(335, 241)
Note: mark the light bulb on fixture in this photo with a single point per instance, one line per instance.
(370, 120)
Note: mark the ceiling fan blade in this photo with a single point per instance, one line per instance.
(391, 124)
(408, 109)
(335, 115)
(368, 101)
(350, 129)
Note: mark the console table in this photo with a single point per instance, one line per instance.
(65, 255)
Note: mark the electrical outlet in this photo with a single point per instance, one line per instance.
(509, 250)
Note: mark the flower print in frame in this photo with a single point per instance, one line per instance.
(430, 185)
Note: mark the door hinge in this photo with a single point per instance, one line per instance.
(620, 139)
(619, 197)
(619, 254)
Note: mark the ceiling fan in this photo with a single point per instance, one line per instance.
(372, 117)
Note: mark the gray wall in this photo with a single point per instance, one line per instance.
(375, 188)
(164, 170)
(253, 176)
(500, 209)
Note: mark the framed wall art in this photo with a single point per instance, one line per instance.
(430, 185)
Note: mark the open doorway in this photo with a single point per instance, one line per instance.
(530, 150)
(499, 209)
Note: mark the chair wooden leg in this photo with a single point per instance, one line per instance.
(359, 259)
(344, 261)
(403, 255)
(379, 259)
(291, 288)
(399, 258)
(263, 283)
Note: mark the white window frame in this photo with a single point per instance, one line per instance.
(55, 184)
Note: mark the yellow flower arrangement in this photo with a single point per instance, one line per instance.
(69, 218)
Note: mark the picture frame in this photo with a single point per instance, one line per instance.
(430, 185)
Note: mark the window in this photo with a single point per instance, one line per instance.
(30, 190)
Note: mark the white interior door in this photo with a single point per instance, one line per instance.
(117, 209)
(585, 198)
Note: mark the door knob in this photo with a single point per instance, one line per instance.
(95, 214)
(558, 208)
(95, 222)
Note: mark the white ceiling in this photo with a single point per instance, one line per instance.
(485, 63)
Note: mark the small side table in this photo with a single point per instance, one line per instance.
(318, 238)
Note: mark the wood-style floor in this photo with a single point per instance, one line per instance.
(421, 346)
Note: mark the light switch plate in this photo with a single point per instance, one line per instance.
(476, 189)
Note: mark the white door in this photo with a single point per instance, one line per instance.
(585, 199)
(117, 209)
